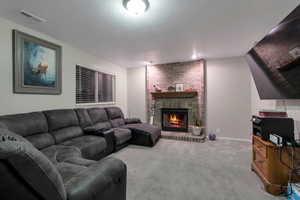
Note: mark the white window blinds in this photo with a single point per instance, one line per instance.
(93, 86)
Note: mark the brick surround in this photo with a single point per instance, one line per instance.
(191, 74)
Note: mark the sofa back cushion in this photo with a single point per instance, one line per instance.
(116, 116)
(98, 115)
(63, 124)
(32, 126)
(114, 113)
(117, 122)
(99, 118)
(83, 117)
(31, 165)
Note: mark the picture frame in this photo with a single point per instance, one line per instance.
(179, 87)
(37, 65)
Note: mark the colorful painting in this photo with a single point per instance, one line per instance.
(37, 65)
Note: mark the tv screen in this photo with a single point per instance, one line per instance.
(275, 60)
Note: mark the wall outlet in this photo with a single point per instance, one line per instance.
(218, 130)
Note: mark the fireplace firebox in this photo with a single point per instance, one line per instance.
(174, 119)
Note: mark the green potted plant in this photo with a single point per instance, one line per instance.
(197, 128)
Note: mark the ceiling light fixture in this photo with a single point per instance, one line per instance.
(194, 56)
(136, 7)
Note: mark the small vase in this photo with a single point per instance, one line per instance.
(197, 130)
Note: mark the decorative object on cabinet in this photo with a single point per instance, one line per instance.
(171, 89)
(157, 88)
(179, 87)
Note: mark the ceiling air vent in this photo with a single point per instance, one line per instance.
(32, 16)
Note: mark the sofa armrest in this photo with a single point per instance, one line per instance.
(103, 180)
(109, 136)
(91, 130)
(133, 121)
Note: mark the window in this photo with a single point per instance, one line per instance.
(94, 87)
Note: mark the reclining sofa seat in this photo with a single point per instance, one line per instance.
(69, 175)
(143, 134)
(65, 128)
(101, 122)
(99, 129)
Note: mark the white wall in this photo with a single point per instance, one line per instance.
(228, 96)
(256, 103)
(291, 106)
(137, 93)
(11, 103)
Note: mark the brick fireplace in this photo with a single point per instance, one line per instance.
(191, 99)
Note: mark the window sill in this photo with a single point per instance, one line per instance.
(94, 104)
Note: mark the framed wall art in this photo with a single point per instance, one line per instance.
(37, 65)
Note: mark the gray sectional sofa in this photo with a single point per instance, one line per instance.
(62, 154)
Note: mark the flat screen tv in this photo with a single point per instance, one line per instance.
(275, 60)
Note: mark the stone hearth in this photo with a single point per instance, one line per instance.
(182, 136)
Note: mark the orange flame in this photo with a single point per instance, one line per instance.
(174, 119)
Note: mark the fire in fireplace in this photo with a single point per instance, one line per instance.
(174, 119)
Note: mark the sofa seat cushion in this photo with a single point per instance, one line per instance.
(144, 134)
(99, 181)
(59, 153)
(69, 170)
(122, 135)
(89, 145)
(67, 154)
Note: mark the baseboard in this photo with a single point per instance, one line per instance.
(235, 139)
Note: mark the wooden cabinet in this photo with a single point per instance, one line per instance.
(266, 163)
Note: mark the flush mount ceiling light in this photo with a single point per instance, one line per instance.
(136, 7)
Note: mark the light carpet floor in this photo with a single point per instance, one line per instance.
(178, 170)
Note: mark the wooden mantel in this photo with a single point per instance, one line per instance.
(187, 94)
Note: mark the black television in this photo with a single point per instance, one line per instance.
(275, 60)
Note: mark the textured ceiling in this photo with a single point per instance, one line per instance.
(171, 30)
